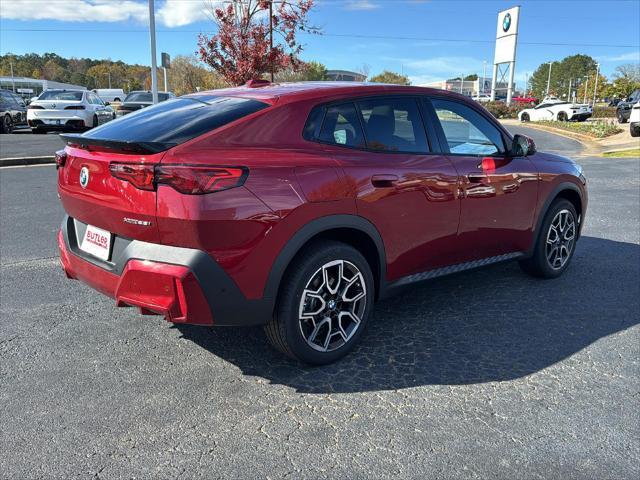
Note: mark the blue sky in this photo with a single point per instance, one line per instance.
(442, 38)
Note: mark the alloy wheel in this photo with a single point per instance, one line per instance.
(332, 305)
(560, 239)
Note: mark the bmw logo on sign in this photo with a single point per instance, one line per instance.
(506, 22)
(84, 177)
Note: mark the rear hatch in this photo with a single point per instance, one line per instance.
(92, 195)
(110, 174)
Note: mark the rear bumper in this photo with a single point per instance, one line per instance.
(184, 285)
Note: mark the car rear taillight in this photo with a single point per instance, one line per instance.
(196, 180)
(74, 107)
(139, 175)
(61, 158)
(187, 179)
(35, 107)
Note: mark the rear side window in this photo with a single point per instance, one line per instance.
(61, 95)
(176, 121)
(342, 126)
(393, 125)
(466, 131)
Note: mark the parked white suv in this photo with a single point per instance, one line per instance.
(634, 120)
(67, 110)
(110, 94)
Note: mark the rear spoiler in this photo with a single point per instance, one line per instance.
(80, 141)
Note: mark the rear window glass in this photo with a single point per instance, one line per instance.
(61, 95)
(145, 97)
(176, 121)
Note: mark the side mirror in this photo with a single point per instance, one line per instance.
(522, 146)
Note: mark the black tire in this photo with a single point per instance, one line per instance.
(635, 131)
(524, 117)
(38, 131)
(621, 118)
(7, 124)
(95, 121)
(562, 117)
(285, 330)
(538, 265)
(116, 99)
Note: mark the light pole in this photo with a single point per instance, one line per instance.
(152, 38)
(549, 79)
(586, 87)
(595, 89)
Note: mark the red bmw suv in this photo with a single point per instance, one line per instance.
(296, 206)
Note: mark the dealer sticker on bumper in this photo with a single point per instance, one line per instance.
(96, 242)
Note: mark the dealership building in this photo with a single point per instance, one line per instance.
(32, 87)
(470, 88)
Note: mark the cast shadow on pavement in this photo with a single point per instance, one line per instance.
(487, 325)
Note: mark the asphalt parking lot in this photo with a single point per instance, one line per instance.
(486, 374)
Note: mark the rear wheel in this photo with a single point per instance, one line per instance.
(323, 305)
(621, 118)
(524, 117)
(7, 124)
(556, 241)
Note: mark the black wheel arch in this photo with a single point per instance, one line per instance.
(567, 190)
(350, 229)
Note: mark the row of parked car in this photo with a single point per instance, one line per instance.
(69, 110)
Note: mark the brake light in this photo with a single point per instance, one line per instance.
(139, 175)
(61, 158)
(195, 180)
(74, 107)
(35, 107)
(187, 179)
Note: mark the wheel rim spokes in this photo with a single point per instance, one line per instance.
(332, 305)
(560, 239)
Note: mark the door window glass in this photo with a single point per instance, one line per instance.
(393, 125)
(341, 126)
(467, 132)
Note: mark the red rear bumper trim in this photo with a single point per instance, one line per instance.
(169, 290)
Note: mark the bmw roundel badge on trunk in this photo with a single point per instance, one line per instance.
(84, 177)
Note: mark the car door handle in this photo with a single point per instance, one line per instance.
(384, 180)
(476, 177)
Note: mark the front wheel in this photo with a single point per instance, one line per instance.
(556, 241)
(95, 121)
(635, 130)
(323, 305)
(7, 124)
(562, 117)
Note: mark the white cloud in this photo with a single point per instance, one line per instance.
(170, 13)
(624, 57)
(74, 10)
(177, 13)
(361, 5)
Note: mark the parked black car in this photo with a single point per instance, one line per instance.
(623, 110)
(13, 111)
(139, 99)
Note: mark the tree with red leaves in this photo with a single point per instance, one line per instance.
(241, 49)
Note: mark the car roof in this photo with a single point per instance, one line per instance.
(289, 92)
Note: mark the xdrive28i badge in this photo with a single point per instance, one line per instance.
(506, 22)
(84, 177)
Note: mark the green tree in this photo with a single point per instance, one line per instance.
(390, 77)
(573, 68)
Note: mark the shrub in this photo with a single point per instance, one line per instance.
(597, 129)
(604, 112)
(502, 110)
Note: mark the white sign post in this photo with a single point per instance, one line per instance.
(504, 61)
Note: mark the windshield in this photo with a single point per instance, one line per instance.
(73, 96)
(177, 120)
(145, 97)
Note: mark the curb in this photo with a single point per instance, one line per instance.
(12, 162)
